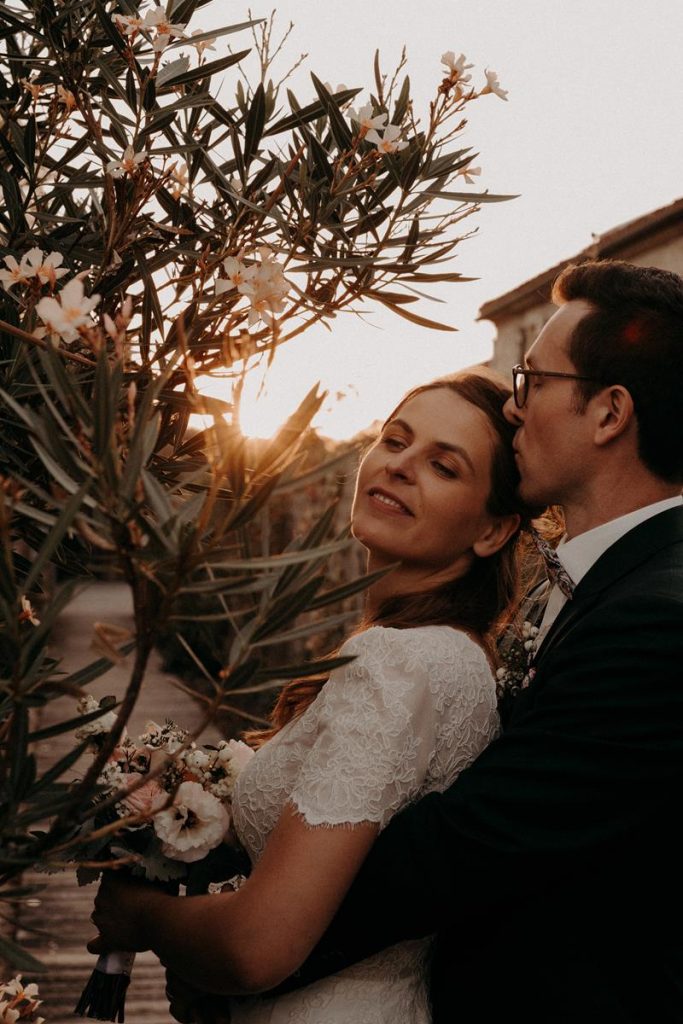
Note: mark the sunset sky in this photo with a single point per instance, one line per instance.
(589, 137)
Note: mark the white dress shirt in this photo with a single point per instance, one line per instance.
(580, 553)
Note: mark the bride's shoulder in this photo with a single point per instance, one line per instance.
(424, 645)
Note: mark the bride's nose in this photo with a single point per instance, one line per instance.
(401, 464)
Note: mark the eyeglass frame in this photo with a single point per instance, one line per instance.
(523, 371)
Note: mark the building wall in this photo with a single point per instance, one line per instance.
(515, 334)
(518, 324)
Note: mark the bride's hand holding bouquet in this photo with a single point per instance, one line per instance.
(164, 812)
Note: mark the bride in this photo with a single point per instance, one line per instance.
(435, 496)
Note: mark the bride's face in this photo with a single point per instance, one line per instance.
(423, 487)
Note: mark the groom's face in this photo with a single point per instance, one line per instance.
(553, 440)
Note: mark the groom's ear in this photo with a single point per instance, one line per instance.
(613, 414)
(496, 535)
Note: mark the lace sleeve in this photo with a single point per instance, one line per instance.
(414, 707)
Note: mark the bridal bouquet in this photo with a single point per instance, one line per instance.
(163, 810)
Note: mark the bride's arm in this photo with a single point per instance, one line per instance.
(253, 939)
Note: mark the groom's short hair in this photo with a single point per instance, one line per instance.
(633, 337)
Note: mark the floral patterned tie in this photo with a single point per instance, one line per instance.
(557, 574)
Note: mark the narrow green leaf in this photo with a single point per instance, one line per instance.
(253, 129)
(301, 671)
(203, 71)
(305, 115)
(131, 91)
(421, 321)
(20, 958)
(301, 632)
(79, 720)
(402, 102)
(348, 589)
(169, 71)
(30, 143)
(469, 197)
(83, 676)
(338, 126)
(56, 535)
(110, 30)
(259, 563)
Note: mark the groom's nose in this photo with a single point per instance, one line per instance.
(512, 413)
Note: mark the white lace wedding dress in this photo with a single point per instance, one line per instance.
(415, 708)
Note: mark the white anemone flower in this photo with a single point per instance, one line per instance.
(389, 142)
(367, 120)
(68, 311)
(195, 824)
(128, 164)
(493, 85)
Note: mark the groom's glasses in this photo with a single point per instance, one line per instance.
(520, 381)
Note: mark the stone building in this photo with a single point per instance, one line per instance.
(656, 239)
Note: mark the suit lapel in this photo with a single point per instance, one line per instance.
(626, 555)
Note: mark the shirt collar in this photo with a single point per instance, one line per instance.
(580, 553)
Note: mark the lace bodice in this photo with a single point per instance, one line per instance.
(413, 709)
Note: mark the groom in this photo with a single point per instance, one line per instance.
(552, 870)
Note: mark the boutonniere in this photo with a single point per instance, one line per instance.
(516, 650)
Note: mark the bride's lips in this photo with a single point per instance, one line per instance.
(388, 502)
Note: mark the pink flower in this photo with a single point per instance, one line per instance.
(145, 801)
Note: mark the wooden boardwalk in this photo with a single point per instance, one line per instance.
(56, 931)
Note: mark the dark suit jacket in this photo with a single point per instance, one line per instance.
(552, 870)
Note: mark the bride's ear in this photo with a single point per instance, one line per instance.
(496, 535)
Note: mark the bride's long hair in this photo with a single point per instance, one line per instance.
(483, 600)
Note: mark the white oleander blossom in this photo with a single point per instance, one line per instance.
(69, 311)
(67, 98)
(264, 285)
(27, 613)
(389, 141)
(195, 824)
(469, 173)
(493, 86)
(46, 268)
(129, 24)
(201, 44)
(15, 273)
(158, 19)
(128, 164)
(266, 289)
(366, 120)
(237, 274)
(19, 1002)
(457, 66)
(33, 264)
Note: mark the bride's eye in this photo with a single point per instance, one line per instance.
(395, 443)
(445, 470)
